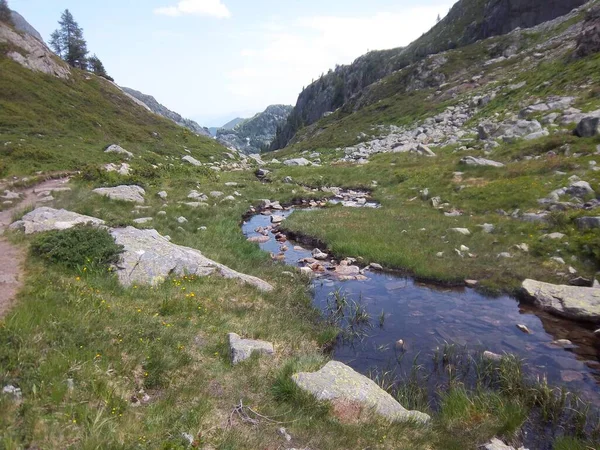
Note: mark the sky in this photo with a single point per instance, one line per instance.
(213, 60)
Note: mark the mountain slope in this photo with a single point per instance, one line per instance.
(162, 110)
(255, 134)
(467, 22)
(53, 117)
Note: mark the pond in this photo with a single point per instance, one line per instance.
(426, 317)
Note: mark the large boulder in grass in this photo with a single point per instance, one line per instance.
(346, 388)
(134, 194)
(149, 258)
(48, 219)
(572, 302)
(588, 127)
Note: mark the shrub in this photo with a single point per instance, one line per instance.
(77, 247)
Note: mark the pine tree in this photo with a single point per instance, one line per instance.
(97, 68)
(5, 14)
(68, 42)
(439, 18)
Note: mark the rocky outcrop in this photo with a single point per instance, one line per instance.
(572, 302)
(589, 40)
(255, 134)
(467, 22)
(119, 151)
(32, 53)
(149, 258)
(153, 105)
(48, 219)
(341, 385)
(22, 25)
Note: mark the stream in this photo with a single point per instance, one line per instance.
(426, 316)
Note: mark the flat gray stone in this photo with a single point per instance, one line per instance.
(572, 302)
(150, 258)
(473, 161)
(193, 161)
(338, 382)
(297, 162)
(48, 219)
(242, 349)
(124, 193)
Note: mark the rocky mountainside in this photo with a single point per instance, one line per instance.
(255, 134)
(162, 110)
(468, 21)
(22, 25)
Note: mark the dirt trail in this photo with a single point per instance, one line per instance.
(12, 257)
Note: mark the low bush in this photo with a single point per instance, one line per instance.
(80, 246)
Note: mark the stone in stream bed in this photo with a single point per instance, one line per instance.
(242, 349)
(346, 388)
(318, 254)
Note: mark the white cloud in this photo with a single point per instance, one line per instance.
(211, 8)
(292, 54)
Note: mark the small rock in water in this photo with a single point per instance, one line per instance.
(562, 342)
(277, 219)
(523, 328)
(490, 356)
(375, 266)
(400, 344)
(318, 254)
(306, 271)
(569, 376)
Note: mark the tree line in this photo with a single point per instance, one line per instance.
(67, 42)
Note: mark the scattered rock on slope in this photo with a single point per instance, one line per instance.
(344, 387)
(473, 161)
(572, 302)
(114, 148)
(125, 193)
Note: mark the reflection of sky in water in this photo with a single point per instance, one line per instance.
(426, 316)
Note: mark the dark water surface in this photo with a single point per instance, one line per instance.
(426, 316)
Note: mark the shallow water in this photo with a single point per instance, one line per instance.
(426, 316)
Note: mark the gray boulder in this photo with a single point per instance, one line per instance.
(193, 161)
(149, 258)
(572, 302)
(587, 223)
(588, 127)
(337, 382)
(473, 161)
(580, 189)
(124, 193)
(242, 349)
(118, 150)
(297, 162)
(47, 219)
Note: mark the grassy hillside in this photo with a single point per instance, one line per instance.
(47, 123)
